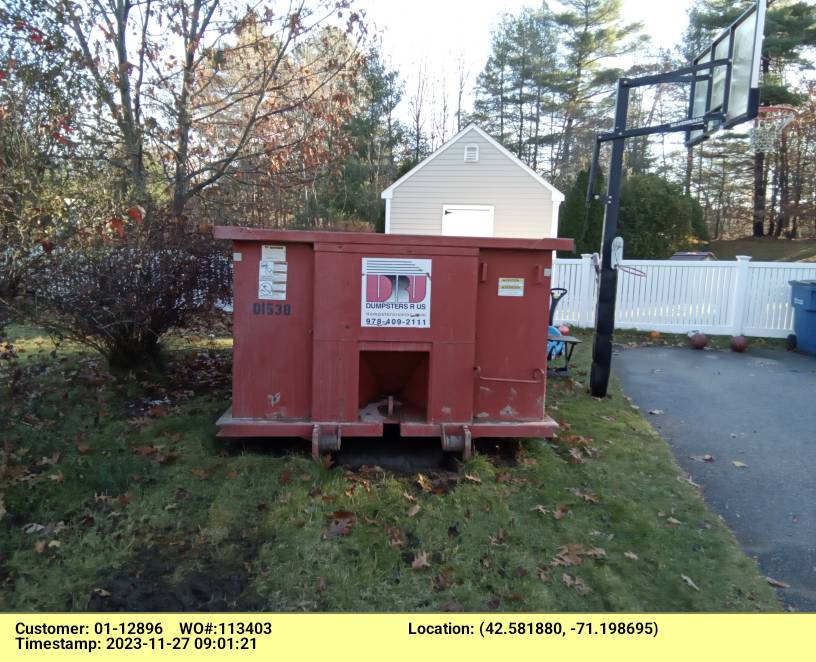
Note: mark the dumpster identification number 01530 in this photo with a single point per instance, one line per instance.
(396, 292)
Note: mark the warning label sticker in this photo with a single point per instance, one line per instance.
(271, 253)
(511, 287)
(272, 280)
(396, 292)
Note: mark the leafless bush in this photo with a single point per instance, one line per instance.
(120, 291)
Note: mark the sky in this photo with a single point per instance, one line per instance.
(437, 33)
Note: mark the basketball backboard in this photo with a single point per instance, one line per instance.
(726, 93)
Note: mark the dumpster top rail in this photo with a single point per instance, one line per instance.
(237, 233)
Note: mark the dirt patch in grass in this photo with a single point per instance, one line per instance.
(112, 505)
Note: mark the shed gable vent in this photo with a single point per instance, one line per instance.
(471, 153)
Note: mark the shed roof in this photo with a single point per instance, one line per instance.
(472, 128)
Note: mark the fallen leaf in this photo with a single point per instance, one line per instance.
(560, 510)
(690, 582)
(83, 449)
(586, 495)
(541, 509)
(395, 537)
(54, 543)
(473, 479)
(413, 510)
(631, 555)
(57, 477)
(655, 412)
(738, 464)
(203, 474)
(503, 477)
(326, 461)
(776, 583)
(671, 521)
(543, 574)
(102, 593)
(340, 524)
(39, 546)
(409, 497)
(485, 560)
(568, 555)
(577, 583)
(420, 561)
(423, 482)
(144, 450)
(597, 553)
(499, 539)
(443, 580)
(575, 456)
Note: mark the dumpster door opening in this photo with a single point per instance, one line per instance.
(393, 386)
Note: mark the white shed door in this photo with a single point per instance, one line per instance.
(467, 221)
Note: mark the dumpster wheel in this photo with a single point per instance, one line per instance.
(458, 443)
(325, 440)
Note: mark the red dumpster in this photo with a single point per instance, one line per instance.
(338, 334)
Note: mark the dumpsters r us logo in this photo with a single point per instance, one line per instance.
(396, 292)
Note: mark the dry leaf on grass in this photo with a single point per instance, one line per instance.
(473, 479)
(575, 456)
(577, 583)
(420, 561)
(586, 495)
(424, 483)
(561, 509)
(632, 556)
(340, 525)
(690, 582)
(542, 509)
(409, 497)
(413, 510)
(568, 555)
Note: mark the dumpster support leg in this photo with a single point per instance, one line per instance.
(455, 443)
(325, 440)
(467, 451)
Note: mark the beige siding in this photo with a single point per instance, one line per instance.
(523, 207)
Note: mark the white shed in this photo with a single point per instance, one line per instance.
(472, 186)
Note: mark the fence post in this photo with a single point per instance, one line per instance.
(586, 306)
(740, 296)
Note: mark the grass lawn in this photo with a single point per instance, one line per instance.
(118, 496)
(766, 250)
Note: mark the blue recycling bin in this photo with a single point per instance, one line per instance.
(803, 302)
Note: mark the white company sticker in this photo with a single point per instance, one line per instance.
(272, 280)
(511, 287)
(273, 253)
(396, 292)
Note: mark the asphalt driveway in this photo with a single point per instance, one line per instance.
(757, 409)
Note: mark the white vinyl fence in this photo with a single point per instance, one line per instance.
(717, 297)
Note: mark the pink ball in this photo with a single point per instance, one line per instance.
(564, 330)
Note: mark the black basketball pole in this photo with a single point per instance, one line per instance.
(608, 283)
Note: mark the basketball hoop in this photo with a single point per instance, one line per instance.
(771, 123)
